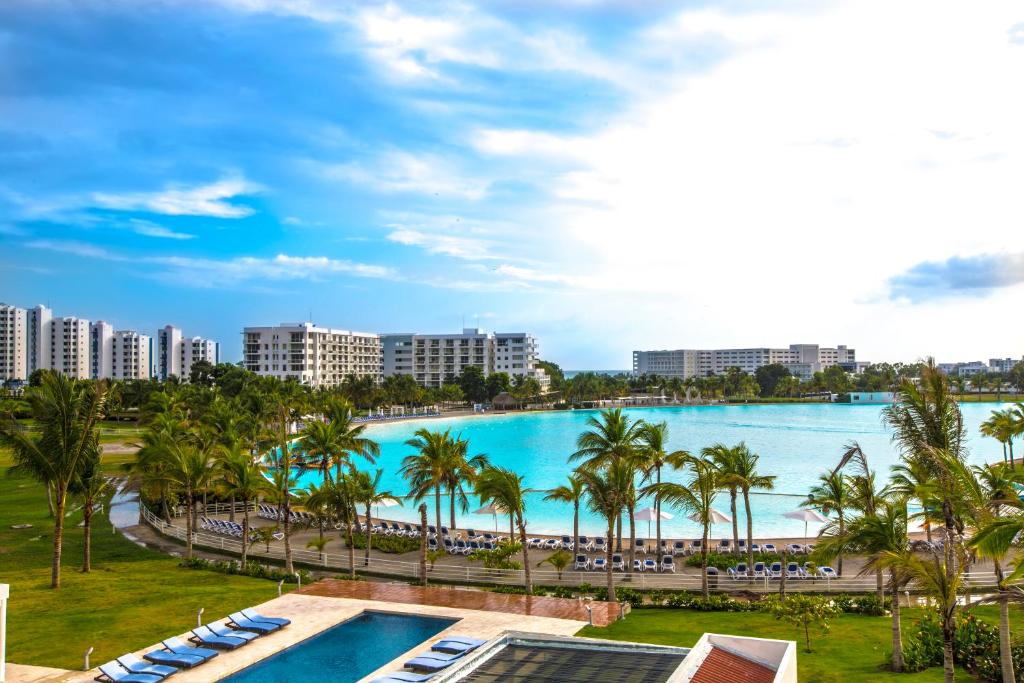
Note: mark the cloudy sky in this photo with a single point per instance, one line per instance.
(609, 176)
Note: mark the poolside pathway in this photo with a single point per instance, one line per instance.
(463, 598)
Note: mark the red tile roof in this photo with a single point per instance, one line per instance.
(721, 666)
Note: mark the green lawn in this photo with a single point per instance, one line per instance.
(855, 648)
(132, 598)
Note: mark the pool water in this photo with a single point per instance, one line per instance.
(796, 442)
(346, 652)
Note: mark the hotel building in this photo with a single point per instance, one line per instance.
(124, 354)
(175, 355)
(803, 360)
(313, 356)
(13, 343)
(69, 347)
(432, 358)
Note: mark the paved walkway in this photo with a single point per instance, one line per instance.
(528, 605)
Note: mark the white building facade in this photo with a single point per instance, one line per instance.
(311, 355)
(101, 350)
(803, 360)
(13, 344)
(40, 322)
(175, 354)
(130, 355)
(432, 358)
(69, 347)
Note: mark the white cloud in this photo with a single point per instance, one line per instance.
(150, 229)
(176, 200)
(82, 249)
(403, 172)
(449, 245)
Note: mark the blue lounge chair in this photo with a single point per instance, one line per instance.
(244, 622)
(139, 666)
(180, 647)
(403, 677)
(453, 647)
(667, 564)
(112, 671)
(205, 636)
(432, 661)
(181, 661)
(223, 631)
(650, 565)
(618, 564)
(256, 616)
(465, 639)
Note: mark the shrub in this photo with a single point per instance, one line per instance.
(253, 569)
(387, 544)
(803, 611)
(499, 558)
(975, 647)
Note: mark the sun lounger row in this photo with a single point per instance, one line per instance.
(600, 564)
(443, 654)
(157, 665)
(276, 514)
(774, 571)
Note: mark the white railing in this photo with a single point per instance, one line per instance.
(475, 574)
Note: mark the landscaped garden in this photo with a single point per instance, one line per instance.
(132, 598)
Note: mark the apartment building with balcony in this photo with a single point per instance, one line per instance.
(69, 347)
(120, 354)
(803, 360)
(432, 358)
(13, 344)
(39, 322)
(175, 354)
(313, 356)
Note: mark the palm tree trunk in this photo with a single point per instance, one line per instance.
(839, 558)
(58, 537)
(576, 526)
(1005, 648)
(947, 655)
(351, 549)
(618, 534)
(704, 564)
(188, 525)
(286, 527)
(750, 529)
(245, 533)
(1010, 443)
(880, 588)
(897, 632)
(451, 506)
(526, 556)
(782, 579)
(423, 544)
(87, 536)
(231, 510)
(369, 537)
(49, 498)
(735, 523)
(632, 540)
(608, 559)
(437, 509)
(657, 514)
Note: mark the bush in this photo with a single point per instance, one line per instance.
(387, 544)
(975, 647)
(499, 558)
(253, 569)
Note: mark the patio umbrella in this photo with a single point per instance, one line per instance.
(716, 517)
(491, 509)
(647, 515)
(387, 503)
(807, 515)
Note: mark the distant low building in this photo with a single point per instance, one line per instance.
(1003, 365)
(802, 360)
(872, 397)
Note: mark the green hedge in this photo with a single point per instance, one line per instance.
(387, 544)
(253, 569)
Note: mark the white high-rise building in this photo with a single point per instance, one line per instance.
(198, 349)
(69, 347)
(101, 350)
(13, 344)
(433, 358)
(130, 355)
(40, 322)
(168, 352)
(314, 356)
(803, 360)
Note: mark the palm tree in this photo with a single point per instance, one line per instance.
(427, 468)
(504, 488)
(66, 412)
(461, 471)
(285, 400)
(570, 493)
(1002, 426)
(91, 487)
(559, 560)
(242, 479)
(318, 544)
(332, 443)
(365, 492)
(832, 494)
(912, 480)
(652, 457)
(879, 537)
(606, 489)
(697, 496)
(336, 498)
(190, 470)
(722, 458)
(611, 437)
(744, 472)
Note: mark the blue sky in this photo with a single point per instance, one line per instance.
(608, 176)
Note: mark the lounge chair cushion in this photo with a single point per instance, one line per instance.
(256, 616)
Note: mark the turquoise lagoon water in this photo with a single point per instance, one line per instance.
(796, 442)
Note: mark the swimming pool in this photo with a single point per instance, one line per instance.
(346, 652)
(796, 442)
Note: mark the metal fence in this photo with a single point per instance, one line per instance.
(473, 574)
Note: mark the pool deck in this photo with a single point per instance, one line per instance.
(319, 607)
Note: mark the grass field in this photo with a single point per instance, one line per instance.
(132, 598)
(855, 649)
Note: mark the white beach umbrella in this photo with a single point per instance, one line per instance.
(649, 514)
(491, 509)
(806, 515)
(386, 503)
(716, 517)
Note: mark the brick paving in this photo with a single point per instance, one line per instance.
(538, 606)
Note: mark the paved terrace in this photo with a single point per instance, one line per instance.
(319, 607)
